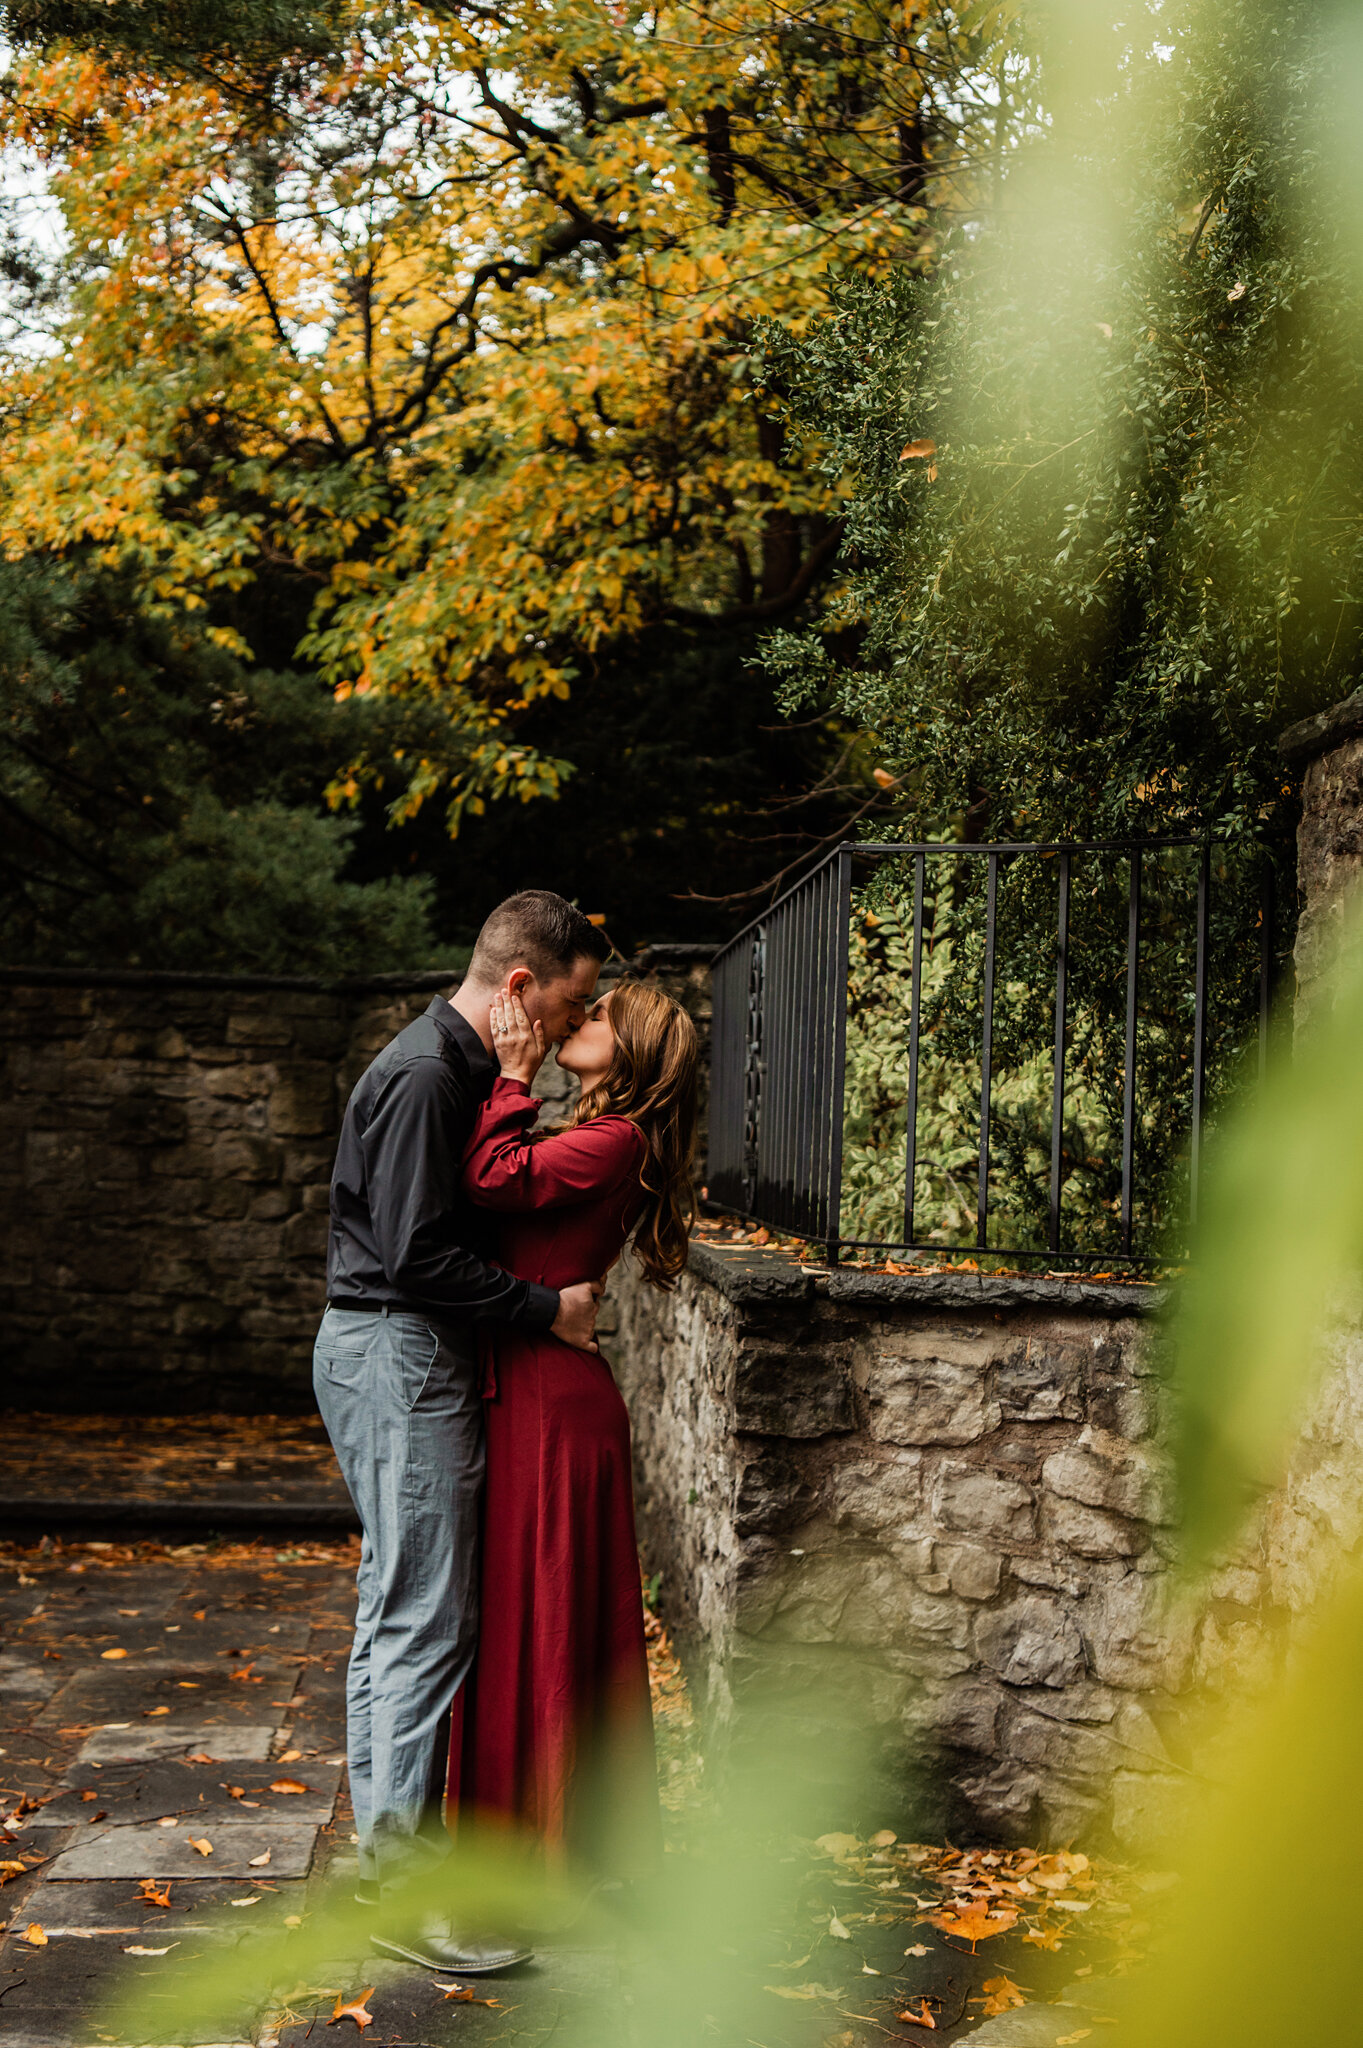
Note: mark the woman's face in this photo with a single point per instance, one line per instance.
(591, 1048)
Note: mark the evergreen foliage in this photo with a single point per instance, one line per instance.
(1104, 533)
(157, 799)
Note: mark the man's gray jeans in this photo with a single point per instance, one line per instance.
(400, 1400)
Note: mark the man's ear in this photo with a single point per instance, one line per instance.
(518, 980)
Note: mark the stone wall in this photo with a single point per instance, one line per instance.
(936, 1502)
(165, 1154)
(166, 1145)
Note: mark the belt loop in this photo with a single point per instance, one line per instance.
(384, 1310)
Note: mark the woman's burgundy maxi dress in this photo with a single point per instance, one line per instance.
(555, 1733)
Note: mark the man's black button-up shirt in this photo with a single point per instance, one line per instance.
(402, 1232)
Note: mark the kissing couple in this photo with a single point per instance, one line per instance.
(498, 1673)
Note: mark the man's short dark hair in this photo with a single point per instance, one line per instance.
(537, 930)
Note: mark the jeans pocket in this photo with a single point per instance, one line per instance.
(418, 1349)
(341, 1355)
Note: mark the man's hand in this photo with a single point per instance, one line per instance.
(575, 1322)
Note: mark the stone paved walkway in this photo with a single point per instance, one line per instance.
(154, 1699)
(108, 1475)
(172, 1786)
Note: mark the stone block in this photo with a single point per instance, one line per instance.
(972, 1572)
(1105, 1471)
(1003, 1804)
(304, 1103)
(170, 1044)
(243, 1156)
(927, 1400)
(1137, 1635)
(1031, 1641)
(965, 1717)
(225, 1742)
(1125, 1407)
(146, 1850)
(877, 1497)
(259, 1027)
(1148, 1811)
(1051, 1744)
(977, 1502)
(1234, 1582)
(772, 1494)
(53, 1157)
(1040, 1381)
(796, 1393)
(1089, 1532)
(1048, 1572)
(238, 1083)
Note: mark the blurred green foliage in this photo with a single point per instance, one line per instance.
(1127, 553)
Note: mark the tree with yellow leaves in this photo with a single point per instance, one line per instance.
(429, 330)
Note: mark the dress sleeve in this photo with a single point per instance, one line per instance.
(503, 1170)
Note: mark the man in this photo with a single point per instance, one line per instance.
(396, 1375)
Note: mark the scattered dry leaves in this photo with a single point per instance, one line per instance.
(1000, 1994)
(355, 2010)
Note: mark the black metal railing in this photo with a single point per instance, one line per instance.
(1169, 930)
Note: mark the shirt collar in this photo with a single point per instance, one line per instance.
(480, 1063)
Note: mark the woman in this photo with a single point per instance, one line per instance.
(556, 1734)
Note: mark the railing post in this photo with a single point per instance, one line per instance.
(987, 1054)
(1204, 884)
(915, 1013)
(842, 921)
(1133, 943)
(1267, 940)
(1062, 970)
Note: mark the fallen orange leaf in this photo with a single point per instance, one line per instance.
(289, 1785)
(258, 1862)
(918, 451)
(354, 2011)
(107, 1655)
(464, 1994)
(1044, 1937)
(150, 1713)
(1001, 1994)
(973, 1921)
(921, 2018)
(202, 1844)
(34, 1935)
(150, 1896)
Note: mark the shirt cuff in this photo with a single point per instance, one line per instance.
(515, 1083)
(541, 1307)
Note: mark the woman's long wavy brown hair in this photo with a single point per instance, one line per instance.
(652, 1081)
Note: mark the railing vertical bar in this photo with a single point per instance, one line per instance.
(1267, 942)
(1062, 970)
(915, 1012)
(813, 980)
(842, 911)
(798, 910)
(828, 969)
(1133, 940)
(777, 1038)
(987, 1054)
(1204, 879)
